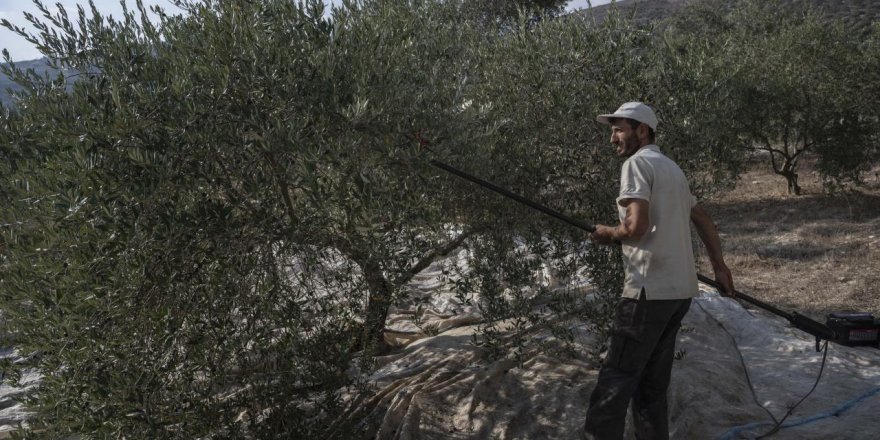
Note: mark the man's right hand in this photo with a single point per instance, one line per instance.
(603, 234)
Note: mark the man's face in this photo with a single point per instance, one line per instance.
(625, 138)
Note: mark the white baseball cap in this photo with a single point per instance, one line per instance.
(632, 110)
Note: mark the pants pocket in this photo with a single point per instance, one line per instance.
(625, 354)
(629, 320)
(625, 351)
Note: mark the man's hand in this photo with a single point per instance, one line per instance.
(723, 277)
(603, 235)
(633, 226)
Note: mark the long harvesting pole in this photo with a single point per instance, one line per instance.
(512, 195)
(817, 329)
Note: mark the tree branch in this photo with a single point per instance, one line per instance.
(772, 152)
(800, 151)
(436, 253)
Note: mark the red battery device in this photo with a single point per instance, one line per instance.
(855, 328)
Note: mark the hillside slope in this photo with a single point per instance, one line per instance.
(858, 14)
(40, 66)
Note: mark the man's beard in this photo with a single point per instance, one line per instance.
(630, 147)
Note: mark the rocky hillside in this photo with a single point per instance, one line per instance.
(858, 14)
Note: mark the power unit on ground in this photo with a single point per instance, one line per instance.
(855, 328)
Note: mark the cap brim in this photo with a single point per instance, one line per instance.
(605, 119)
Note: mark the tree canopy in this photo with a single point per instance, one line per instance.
(796, 84)
(205, 231)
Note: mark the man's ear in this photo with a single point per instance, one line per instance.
(642, 132)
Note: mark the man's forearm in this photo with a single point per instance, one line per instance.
(709, 235)
(625, 231)
(635, 223)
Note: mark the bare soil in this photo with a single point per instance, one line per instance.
(815, 253)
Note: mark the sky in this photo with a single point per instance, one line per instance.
(20, 49)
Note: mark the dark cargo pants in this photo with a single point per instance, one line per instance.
(637, 368)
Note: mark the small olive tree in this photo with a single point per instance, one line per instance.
(871, 67)
(798, 87)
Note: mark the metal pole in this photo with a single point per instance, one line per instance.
(512, 195)
(817, 329)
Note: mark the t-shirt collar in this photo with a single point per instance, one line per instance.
(653, 147)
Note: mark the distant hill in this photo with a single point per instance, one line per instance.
(858, 14)
(39, 65)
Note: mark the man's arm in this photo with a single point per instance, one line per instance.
(709, 235)
(634, 225)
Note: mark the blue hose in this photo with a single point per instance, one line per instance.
(836, 411)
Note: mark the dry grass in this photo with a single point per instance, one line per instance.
(815, 253)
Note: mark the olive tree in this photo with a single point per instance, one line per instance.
(798, 88)
(503, 11)
(208, 228)
(545, 83)
(872, 87)
(204, 233)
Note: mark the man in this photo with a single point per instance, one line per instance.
(655, 208)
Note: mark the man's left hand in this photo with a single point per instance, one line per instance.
(723, 277)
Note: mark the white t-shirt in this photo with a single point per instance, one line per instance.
(662, 261)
